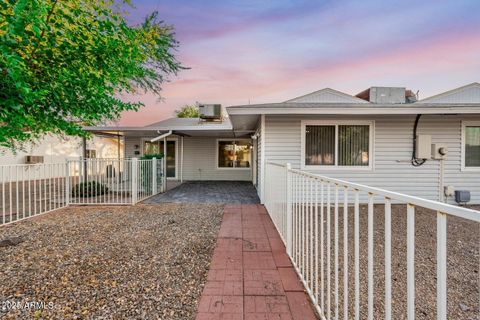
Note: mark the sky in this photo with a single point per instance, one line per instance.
(241, 52)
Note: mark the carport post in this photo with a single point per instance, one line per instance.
(181, 159)
(164, 164)
(67, 183)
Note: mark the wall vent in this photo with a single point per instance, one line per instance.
(33, 159)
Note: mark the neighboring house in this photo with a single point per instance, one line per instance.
(54, 149)
(367, 138)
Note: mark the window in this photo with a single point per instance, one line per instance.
(91, 153)
(471, 145)
(234, 153)
(336, 145)
(152, 148)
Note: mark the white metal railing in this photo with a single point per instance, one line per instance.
(302, 206)
(31, 189)
(28, 190)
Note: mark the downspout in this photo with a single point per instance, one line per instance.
(181, 160)
(84, 156)
(118, 145)
(162, 136)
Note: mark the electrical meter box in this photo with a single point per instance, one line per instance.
(439, 151)
(423, 146)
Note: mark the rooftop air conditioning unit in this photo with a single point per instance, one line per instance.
(33, 159)
(210, 111)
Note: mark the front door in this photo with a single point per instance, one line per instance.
(171, 158)
(157, 148)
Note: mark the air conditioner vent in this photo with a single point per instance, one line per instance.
(210, 111)
(33, 159)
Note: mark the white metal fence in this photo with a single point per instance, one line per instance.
(302, 206)
(29, 190)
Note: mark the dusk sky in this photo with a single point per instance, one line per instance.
(269, 51)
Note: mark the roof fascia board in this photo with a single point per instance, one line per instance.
(154, 129)
(359, 110)
(93, 128)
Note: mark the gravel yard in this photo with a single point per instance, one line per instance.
(109, 262)
(463, 259)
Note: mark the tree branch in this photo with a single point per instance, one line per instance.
(49, 15)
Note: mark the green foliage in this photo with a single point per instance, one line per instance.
(151, 156)
(89, 189)
(65, 64)
(187, 111)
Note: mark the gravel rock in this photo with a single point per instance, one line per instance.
(463, 256)
(463, 307)
(13, 241)
(140, 262)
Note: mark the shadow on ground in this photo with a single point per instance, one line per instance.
(231, 192)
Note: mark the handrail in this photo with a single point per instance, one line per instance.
(306, 210)
(465, 213)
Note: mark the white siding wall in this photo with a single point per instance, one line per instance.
(393, 141)
(130, 143)
(200, 162)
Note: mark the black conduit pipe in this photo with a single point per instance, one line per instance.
(416, 162)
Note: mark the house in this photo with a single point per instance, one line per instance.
(381, 137)
(56, 149)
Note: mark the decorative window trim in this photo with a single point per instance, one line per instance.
(231, 168)
(463, 141)
(336, 123)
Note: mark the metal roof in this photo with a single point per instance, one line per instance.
(189, 124)
(327, 95)
(469, 94)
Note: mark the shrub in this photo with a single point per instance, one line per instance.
(89, 189)
(151, 156)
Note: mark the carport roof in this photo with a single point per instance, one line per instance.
(179, 126)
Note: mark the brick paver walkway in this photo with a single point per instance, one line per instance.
(251, 276)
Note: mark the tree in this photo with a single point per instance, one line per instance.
(65, 64)
(187, 111)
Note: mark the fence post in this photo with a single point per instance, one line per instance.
(67, 183)
(134, 180)
(288, 196)
(154, 176)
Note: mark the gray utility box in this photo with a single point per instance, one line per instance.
(423, 146)
(462, 196)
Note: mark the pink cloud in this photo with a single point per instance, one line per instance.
(439, 64)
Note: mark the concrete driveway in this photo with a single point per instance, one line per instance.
(232, 192)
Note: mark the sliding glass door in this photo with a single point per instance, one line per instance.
(157, 148)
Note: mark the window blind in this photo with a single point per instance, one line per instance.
(320, 145)
(353, 145)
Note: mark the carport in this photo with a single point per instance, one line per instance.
(231, 192)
